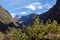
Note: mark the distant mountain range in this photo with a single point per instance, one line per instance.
(27, 20)
(52, 14)
(6, 19)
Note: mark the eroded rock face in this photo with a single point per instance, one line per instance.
(52, 14)
(6, 19)
(5, 16)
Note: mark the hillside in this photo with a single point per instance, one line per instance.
(52, 14)
(6, 19)
(36, 31)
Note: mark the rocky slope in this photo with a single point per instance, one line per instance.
(6, 19)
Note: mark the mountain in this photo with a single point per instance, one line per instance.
(6, 20)
(27, 20)
(52, 14)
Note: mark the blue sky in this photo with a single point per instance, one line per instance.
(26, 7)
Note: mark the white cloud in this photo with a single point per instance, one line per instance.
(47, 5)
(13, 15)
(31, 7)
(17, 8)
(34, 6)
(40, 7)
(23, 13)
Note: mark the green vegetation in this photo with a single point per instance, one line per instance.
(38, 31)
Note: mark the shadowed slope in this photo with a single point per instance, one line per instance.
(52, 14)
(6, 19)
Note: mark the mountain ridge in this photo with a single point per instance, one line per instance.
(6, 20)
(27, 20)
(52, 14)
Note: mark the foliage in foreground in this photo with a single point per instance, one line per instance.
(38, 31)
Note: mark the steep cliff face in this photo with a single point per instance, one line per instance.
(5, 16)
(6, 19)
(52, 14)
